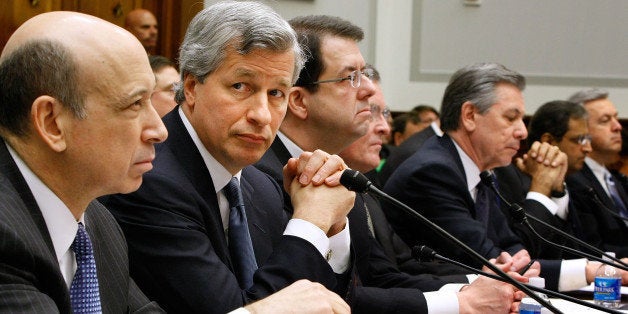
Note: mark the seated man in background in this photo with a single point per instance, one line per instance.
(563, 124)
(363, 155)
(482, 116)
(207, 232)
(599, 195)
(166, 77)
(143, 24)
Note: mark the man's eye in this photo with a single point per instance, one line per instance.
(276, 93)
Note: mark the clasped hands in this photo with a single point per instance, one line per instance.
(313, 183)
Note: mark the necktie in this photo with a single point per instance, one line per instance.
(612, 189)
(84, 293)
(240, 245)
(482, 203)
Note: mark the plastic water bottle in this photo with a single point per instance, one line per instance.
(607, 291)
(529, 305)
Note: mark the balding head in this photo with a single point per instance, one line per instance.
(143, 24)
(56, 54)
(76, 108)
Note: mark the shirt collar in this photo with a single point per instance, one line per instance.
(60, 222)
(292, 147)
(598, 170)
(471, 170)
(219, 174)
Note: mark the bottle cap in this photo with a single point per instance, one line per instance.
(538, 282)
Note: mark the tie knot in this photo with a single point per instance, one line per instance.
(82, 246)
(233, 193)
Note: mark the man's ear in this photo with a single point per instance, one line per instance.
(548, 138)
(189, 90)
(468, 113)
(50, 122)
(298, 102)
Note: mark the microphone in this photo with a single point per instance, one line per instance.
(355, 181)
(425, 254)
(597, 201)
(520, 216)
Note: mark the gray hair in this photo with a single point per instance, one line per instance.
(475, 83)
(39, 67)
(243, 25)
(584, 96)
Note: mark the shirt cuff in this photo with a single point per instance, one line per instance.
(441, 302)
(335, 250)
(340, 250)
(546, 201)
(572, 274)
(562, 205)
(240, 311)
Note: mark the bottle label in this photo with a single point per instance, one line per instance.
(530, 311)
(607, 289)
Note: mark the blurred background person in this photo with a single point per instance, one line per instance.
(598, 194)
(143, 24)
(166, 76)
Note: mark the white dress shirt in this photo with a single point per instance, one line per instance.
(61, 224)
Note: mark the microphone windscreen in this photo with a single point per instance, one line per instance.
(423, 253)
(354, 181)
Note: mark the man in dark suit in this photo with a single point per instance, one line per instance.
(563, 124)
(329, 109)
(408, 147)
(73, 129)
(482, 116)
(596, 192)
(238, 62)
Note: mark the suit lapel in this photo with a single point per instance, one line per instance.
(183, 148)
(30, 222)
(597, 187)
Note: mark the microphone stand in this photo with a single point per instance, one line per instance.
(356, 181)
(520, 216)
(597, 200)
(424, 253)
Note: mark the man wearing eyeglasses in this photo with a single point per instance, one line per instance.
(563, 124)
(329, 109)
(596, 193)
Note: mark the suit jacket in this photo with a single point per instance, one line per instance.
(377, 284)
(402, 152)
(601, 230)
(177, 244)
(514, 186)
(433, 182)
(30, 277)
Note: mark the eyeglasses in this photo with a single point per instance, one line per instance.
(355, 77)
(377, 112)
(582, 140)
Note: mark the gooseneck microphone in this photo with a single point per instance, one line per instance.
(520, 216)
(597, 201)
(355, 181)
(426, 254)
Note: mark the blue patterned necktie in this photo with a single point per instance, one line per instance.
(612, 189)
(240, 245)
(84, 293)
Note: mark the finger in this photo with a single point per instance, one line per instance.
(533, 152)
(309, 164)
(542, 152)
(290, 171)
(338, 305)
(333, 166)
(334, 179)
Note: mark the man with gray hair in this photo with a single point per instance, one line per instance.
(597, 194)
(207, 232)
(482, 117)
